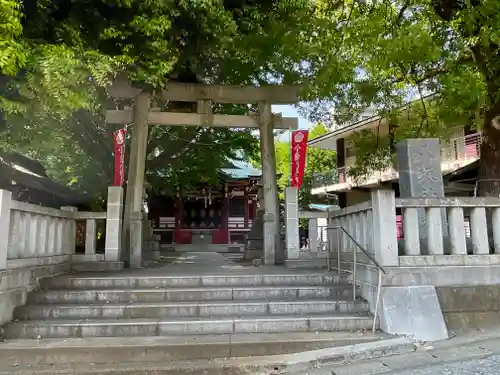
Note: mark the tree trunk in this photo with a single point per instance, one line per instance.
(488, 182)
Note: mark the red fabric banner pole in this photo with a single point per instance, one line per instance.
(299, 152)
(119, 149)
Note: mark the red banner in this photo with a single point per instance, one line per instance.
(119, 148)
(299, 149)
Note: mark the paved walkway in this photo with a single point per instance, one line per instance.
(485, 366)
(203, 263)
(468, 353)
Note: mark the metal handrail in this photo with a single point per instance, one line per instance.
(380, 269)
(364, 250)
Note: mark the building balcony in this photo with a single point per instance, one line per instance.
(455, 154)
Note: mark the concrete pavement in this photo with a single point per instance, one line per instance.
(483, 366)
(468, 353)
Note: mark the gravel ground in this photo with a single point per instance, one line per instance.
(485, 366)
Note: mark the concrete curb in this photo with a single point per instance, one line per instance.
(166, 349)
(265, 365)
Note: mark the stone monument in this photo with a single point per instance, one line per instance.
(420, 176)
(415, 310)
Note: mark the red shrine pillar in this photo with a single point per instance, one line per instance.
(225, 219)
(179, 219)
(246, 207)
(180, 214)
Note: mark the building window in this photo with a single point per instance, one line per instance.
(350, 149)
(237, 208)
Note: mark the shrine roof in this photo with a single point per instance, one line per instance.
(240, 170)
(17, 169)
(320, 207)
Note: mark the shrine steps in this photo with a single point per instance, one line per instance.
(86, 306)
(21, 356)
(209, 248)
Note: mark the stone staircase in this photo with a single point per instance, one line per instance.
(132, 305)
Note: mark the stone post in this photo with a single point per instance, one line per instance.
(5, 203)
(420, 176)
(254, 248)
(313, 234)
(90, 238)
(113, 246)
(271, 215)
(151, 242)
(135, 182)
(136, 240)
(292, 224)
(385, 243)
(69, 232)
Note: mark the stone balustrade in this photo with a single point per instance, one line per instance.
(450, 231)
(37, 235)
(449, 241)
(435, 231)
(438, 236)
(38, 232)
(40, 242)
(357, 221)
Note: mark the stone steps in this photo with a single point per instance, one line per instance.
(148, 303)
(187, 309)
(124, 281)
(170, 348)
(242, 293)
(188, 326)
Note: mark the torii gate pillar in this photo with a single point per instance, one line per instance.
(132, 223)
(271, 236)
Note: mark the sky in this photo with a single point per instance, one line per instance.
(290, 111)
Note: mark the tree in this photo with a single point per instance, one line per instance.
(318, 161)
(382, 53)
(58, 58)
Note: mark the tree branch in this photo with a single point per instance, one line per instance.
(402, 12)
(165, 156)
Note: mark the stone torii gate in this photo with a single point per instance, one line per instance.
(142, 115)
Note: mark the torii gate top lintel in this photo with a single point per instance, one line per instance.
(225, 94)
(203, 95)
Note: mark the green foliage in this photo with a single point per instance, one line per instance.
(57, 58)
(383, 53)
(12, 51)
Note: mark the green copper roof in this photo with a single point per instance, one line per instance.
(240, 170)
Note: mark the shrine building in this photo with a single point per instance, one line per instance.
(217, 216)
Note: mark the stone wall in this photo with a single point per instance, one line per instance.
(16, 283)
(470, 307)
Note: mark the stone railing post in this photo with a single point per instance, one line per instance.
(385, 243)
(69, 242)
(292, 224)
(313, 234)
(91, 236)
(113, 244)
(5, 203)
